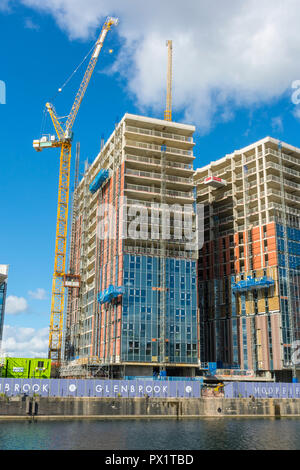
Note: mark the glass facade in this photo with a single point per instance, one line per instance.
(141, 305)
(293, 277)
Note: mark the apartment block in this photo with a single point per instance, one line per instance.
(133, 248)
(249, 266)
(3, 288)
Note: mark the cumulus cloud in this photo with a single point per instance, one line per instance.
(25, 342)
(39, 294)
(15, 305)
(226, 55)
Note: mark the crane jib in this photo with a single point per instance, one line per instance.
(99, 44)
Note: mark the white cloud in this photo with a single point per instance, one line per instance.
(25, 342)
(226, 55)
(39, 294)
(15, 305)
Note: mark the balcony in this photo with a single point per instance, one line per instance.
(157, 162)
(162, 135)
(290, 210)
(224, 195)
(158, 176)
(187, 195)
(222, 171)
(290, 197)
(275, 179)
(285, 169)
(282, 155)
(179, 153)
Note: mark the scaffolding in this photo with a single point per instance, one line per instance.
(88, 368)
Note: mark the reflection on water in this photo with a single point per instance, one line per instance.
(189, 434)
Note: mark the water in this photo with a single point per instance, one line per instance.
(141, 434)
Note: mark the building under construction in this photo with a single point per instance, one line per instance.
(133, 247)
(249, 267)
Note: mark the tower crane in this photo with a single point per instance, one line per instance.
(63, 139)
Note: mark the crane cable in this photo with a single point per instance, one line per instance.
(45, 113)
(75, 70)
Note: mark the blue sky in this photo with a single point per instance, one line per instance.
(39, 49)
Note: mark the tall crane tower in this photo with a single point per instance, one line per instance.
(162, 293)
(168, 111)
(63, 139)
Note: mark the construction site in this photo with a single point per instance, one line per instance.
(134, 294)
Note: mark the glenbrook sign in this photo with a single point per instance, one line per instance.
(101, 388)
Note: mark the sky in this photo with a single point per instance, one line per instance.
(234, 68)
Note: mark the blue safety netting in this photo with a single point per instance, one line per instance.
(99, 180)
(110, 293)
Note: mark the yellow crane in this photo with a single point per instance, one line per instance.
(63, 139)
(168, 111)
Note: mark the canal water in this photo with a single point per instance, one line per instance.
(141, 434)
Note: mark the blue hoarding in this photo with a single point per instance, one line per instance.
(100, 388)
(262, 390)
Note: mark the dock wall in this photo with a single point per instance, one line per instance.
(26, 407)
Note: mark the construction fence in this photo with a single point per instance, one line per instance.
(261, 390)
(100, 388)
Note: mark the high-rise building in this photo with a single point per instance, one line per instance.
(3, 287)
(134, 247)
(249, 266)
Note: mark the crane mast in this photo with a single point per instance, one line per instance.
(63, 139)
(168, 111)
